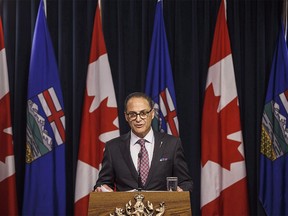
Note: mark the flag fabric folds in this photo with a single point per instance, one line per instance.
(223, 170)
(45, 179)
(8, 204)
(99, 118)
(273, 177)
(159, 80)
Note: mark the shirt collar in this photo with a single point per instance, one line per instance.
(148, 137)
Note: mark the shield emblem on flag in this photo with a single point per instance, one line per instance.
(45, 124)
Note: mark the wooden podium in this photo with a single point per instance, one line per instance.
(176, 203)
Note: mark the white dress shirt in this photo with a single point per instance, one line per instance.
(135, 147)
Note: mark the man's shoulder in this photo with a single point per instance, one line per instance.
(164, 136)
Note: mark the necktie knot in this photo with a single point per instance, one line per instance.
(141, 142)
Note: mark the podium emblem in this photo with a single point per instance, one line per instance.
(139, 208)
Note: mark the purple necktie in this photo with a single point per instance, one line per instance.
(143, 161)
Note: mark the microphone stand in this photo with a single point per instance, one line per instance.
(139, 173)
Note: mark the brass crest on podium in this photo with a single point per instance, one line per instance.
(139, 208)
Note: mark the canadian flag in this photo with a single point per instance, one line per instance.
(99, 118)
(223, 170)
(8, 204)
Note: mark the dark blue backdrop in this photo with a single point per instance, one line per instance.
(253, 27)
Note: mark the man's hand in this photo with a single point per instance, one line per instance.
(103, 188)
(179, 189)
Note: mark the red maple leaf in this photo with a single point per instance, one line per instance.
(6, 143)
(216, 127)
(93, 125)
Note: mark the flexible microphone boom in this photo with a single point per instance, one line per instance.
(139, 173)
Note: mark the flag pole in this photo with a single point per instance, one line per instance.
(45, 8)
(284, 17)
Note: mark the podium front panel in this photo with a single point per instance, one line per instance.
(105, 203)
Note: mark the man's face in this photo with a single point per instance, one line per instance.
(140, 125)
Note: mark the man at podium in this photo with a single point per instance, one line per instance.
(142, 158)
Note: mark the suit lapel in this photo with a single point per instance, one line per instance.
(125, 151)
(157, 154)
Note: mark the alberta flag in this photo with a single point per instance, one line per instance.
(99, 118)
(159, 81)
(273, 191)
(8, 204)
(223, 169)
(45, 189)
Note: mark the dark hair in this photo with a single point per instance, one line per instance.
(138, 95)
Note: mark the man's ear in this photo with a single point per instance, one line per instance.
(126, 117)
(153, 114)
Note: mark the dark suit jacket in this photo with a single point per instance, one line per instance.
(168, 160)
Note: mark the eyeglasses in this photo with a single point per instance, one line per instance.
(133, 115)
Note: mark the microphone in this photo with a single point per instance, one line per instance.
(140, 156)
(139, 173)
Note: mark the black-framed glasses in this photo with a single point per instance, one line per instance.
(133, 115)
